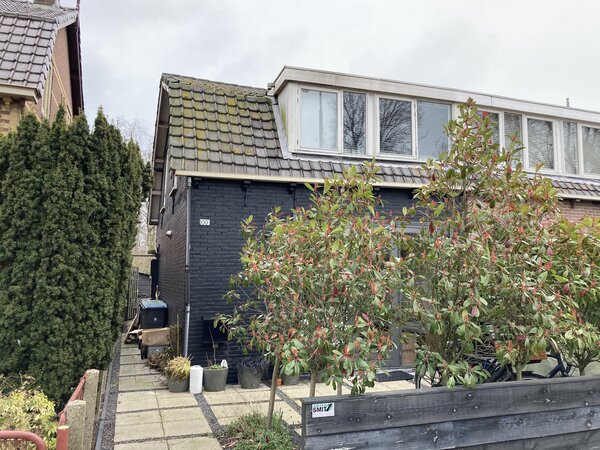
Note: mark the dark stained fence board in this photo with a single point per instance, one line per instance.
(484, 415)
(582, 440)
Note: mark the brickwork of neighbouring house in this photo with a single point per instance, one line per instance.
(10, 113)
(576, 210)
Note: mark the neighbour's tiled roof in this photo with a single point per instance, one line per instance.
(27, 35)
(229, 129)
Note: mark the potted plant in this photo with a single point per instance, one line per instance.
(250, 370)
(215, 377)
(177, 372)
(290, 380)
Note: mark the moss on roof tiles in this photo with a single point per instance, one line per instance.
(212, 126)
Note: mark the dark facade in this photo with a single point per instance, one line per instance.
(215, 248)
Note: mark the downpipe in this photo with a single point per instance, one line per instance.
(188, 206)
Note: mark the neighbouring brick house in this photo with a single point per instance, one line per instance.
(40, 60)
(223, 152)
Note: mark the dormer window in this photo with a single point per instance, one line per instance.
(395, 127)
(431, 119)
(355, 123)
(354, 118)
(540, 143)
(319, 119)
(591, 150)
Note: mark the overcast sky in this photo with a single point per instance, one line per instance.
(531, 49)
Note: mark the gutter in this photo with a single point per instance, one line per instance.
(281, 179)
(188, 206)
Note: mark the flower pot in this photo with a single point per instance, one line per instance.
(178, 386)
(322, 376)
(291, 380)
(248, 378)
(215, 379)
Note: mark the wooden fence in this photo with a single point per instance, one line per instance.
(132, 294)
(540, 414)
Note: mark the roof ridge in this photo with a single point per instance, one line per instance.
(219, 83)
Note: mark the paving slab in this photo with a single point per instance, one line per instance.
(186, 427)
(136, 369)
(229, 395)
(130, 359)
(197, 443)
(183, 399)
(133, 418)
(134, 401)
(138, 432)
(151, 445)
(173, 415)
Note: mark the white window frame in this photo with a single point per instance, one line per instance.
(416, 132)
(368, 133)
(555, 144)
(339, 137)
(581, 163)
(413, 119)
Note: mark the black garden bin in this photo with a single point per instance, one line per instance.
(153, 314)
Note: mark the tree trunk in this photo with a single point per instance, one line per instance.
(582, 371)
(339, 388)
(519, 371)
(313, 382)
(273, 389)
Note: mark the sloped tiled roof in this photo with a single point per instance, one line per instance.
(27, 35)
(226, 129)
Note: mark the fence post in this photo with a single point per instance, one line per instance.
(90, 394)
(76, 420)
(62, 437)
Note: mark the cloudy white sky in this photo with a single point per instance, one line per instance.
(530, 49)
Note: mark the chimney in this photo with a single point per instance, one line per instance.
(53, 3)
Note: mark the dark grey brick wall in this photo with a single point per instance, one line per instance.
(216, 248)
(172, 254)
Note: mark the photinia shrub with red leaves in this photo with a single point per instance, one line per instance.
(481, 260)
(316, 287)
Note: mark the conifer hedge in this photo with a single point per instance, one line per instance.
(69, 204)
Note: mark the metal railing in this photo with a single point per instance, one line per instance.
(23, 436)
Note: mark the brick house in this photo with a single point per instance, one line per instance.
(40, 60)
(223, 152)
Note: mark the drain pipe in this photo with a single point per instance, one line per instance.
(188, 206)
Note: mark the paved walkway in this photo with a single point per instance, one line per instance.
(148, 416)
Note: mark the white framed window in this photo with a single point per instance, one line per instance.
(432, 117)
(590, 143)
(540, 143)
(333, 121)
(570, 147)
(395, 126)
(319, 119)
(354, 123)
(359, 124)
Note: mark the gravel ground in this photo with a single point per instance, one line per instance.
(217, 430)
(108, 425)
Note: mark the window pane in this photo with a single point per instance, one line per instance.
(431, 119)
(494, 125)
(591, 150)
(354, 123)
(395, 127)
(540, 143)
(570, 138)
(512, 130)
(318, 120)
